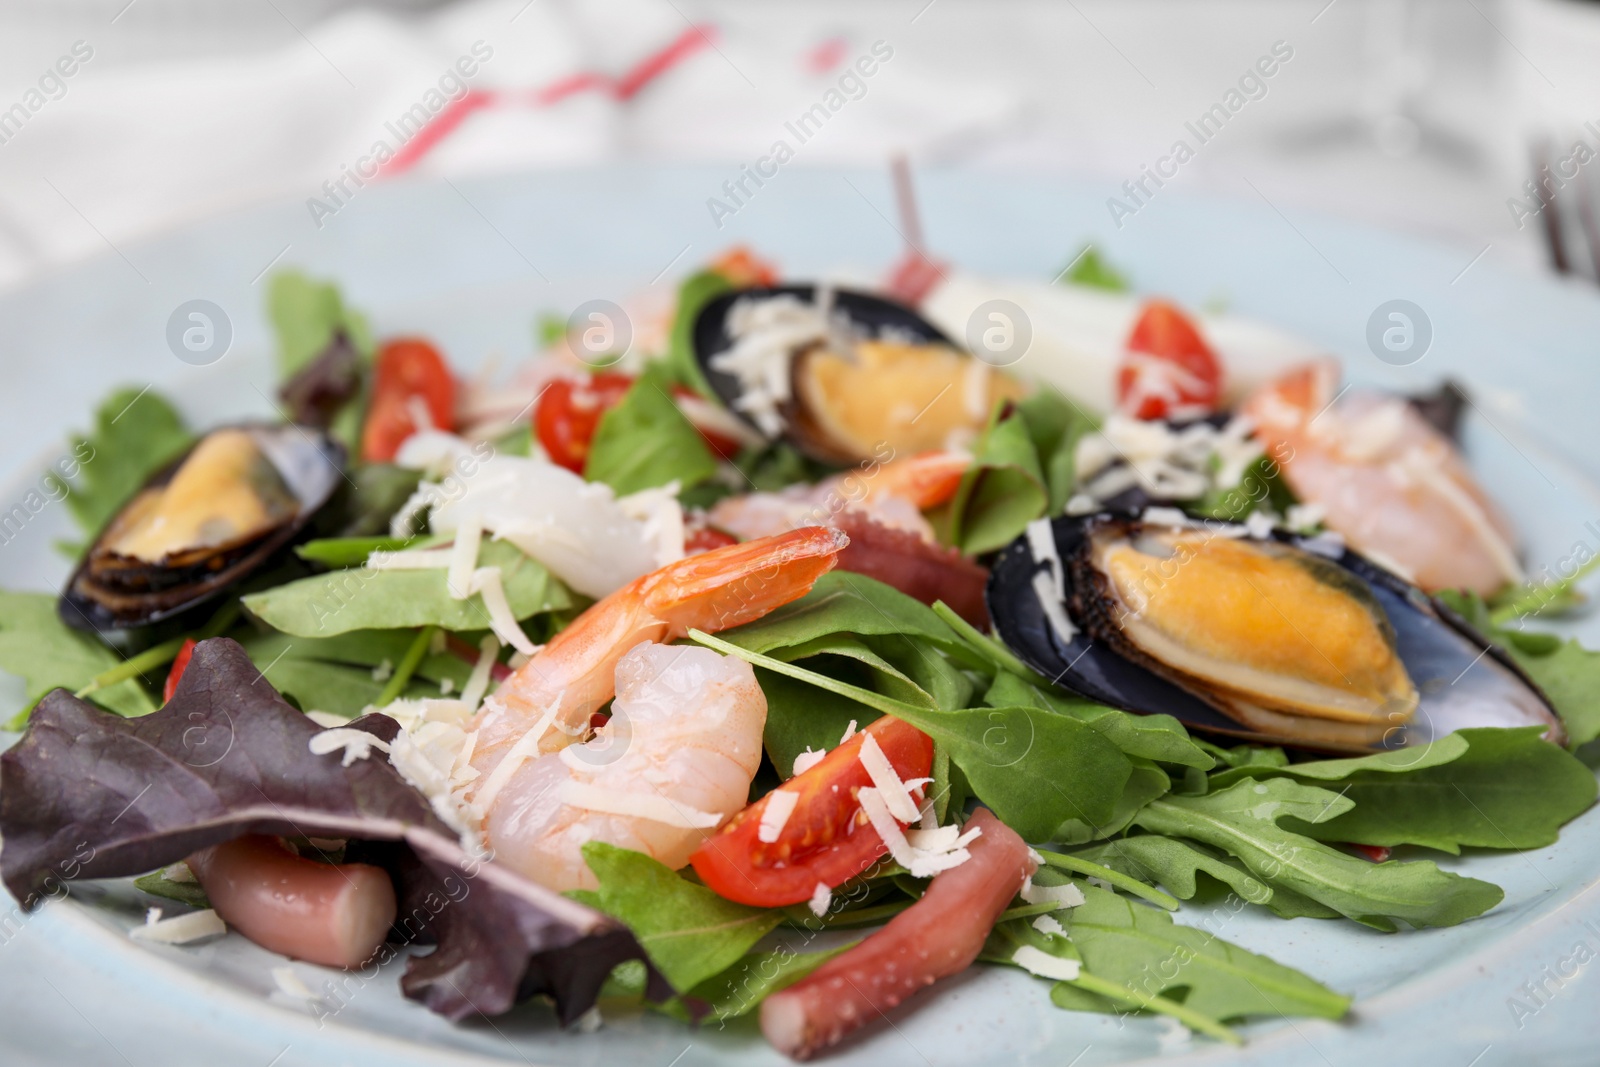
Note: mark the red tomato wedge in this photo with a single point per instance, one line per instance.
(826, 839)
(569, 410)
(180, 663)
(1168, 370)
(700, 539)
(409, 372)
(568, 413)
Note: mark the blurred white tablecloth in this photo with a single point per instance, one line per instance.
(185, 109)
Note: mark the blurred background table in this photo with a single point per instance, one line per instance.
(1415, 114)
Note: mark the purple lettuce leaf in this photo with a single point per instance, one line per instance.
(88, 794)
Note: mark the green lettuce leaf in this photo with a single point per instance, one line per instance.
(304, 314)
(1144, 952)
(1089, 268)
(1175, 865)
(1242, 820)
(696, 291)
(1035, 769)
(47, 654)
(1485, 787)
(689, 932)
(361, 599)
(1001, 492)
(135, 434)
(645, 442)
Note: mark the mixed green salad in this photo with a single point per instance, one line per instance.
(962, 660)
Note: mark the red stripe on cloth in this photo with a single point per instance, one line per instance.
(624, 88)
(827, 56)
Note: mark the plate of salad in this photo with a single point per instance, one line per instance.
(1140, 647)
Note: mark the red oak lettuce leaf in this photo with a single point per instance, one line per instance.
(228, 756)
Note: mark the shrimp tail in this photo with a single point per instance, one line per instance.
(736, 584)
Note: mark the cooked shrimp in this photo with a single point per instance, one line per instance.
(895, 493)
(573, 676)
(1392, 485)
(674, 761)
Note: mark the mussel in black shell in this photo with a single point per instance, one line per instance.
(843, 375)
(1285, 639)
(202, 524)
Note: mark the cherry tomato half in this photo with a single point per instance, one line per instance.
(568, 413)
(409, 371)
(826, 838)
(569, 410)
(1168, 370)
(698, 539)
(180, 663)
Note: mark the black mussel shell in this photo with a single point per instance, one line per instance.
(875, 316)
(1456, 670)
(110, 592)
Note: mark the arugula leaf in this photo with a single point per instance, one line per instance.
(1555, 597)
(844, 603)
(801, 716)
(735, 992)
(305, 313)
(1259, 487)
(1333, 772)
(776, 466)
(1243, 819)
(1160, 738)
(696, 291)
(645, 442)
(381, 489)
(1568, 673)
(1174, 864)
(1145, 783)
(1089, 268)
(362, 599)
(1143, 951)
(191, 895)
(135, 434)
(689, 932)
(1055, 426)
(1244, 755)
(47, 654)
(1484, 787)
(1001, 492)
(1035, 769)
(351, 551)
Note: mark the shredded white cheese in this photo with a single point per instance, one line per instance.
(780, 805)
(290, 984)
(1042, 546)
(152, 916)
(849, 732)
(888, 783)
(1167, 464)
(486, 582)
(943, 852)
(1260, 525)
(1327, 543)
(356, 744)
(464, 556)
(178, 872)
(527, 746)
(1039, 962)
(478, 680)
(1055, 609)
(821, 900)
(181, 929)
(1303, 518)
(807, 760)
(1065, 895)
(1049, 925)
(383, 671)
(766, 332)
(1159, 516)
(655, 807)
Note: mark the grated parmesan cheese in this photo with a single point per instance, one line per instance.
(849, 732)
(464, 556)
(1055, 609)
(1065, 895)
(821, 900)
(486, 582)
(1260, 525)
(1049, 925)
(355, 744)
(290, 984)
(181, 929)
(894, 792)
(653, 806)
(478, 680)
(1039, 962)
(780, 805)
(921, 862)
(807, 760)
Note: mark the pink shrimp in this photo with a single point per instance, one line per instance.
(1393, 486)
(894, 493)
(575, 674)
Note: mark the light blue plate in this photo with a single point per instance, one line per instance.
(472, 265)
